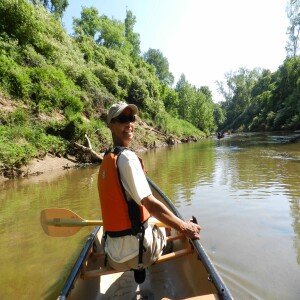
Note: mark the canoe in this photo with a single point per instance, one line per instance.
(185, 272)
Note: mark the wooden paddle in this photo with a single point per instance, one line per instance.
(62, 222)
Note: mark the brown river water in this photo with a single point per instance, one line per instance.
(243, 189)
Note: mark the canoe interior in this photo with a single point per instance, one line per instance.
(178, 278)
(183, 277)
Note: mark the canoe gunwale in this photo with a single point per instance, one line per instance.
(75, 273)
(214, 276)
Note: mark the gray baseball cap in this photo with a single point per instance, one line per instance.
(117, 108)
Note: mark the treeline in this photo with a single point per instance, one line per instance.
(259, 100)
(62, 85)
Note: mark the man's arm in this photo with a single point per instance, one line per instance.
(163, 214)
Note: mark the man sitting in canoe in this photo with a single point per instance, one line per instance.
(127, 201)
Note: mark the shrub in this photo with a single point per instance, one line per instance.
(108, 78)
(137, 92)
(13, 78)
(19, 144)
(32, 58)
(19, 117)
(52, 89)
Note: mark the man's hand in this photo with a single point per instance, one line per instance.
(158, 210)
(190, 230)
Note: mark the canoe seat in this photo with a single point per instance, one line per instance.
(98, 272)
(174, 255)
(161, 259)
(204, 297)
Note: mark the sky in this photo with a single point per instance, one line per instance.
(202, 39)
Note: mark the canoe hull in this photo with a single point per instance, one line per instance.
(188, 273)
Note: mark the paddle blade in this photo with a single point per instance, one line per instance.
(56, 222)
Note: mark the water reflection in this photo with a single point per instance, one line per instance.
(180, 169)
(35, 265)
(243, 189)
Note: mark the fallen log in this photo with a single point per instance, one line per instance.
(95, 157)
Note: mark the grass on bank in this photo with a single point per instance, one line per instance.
(23, 138)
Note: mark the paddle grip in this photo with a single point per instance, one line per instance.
(194, 220)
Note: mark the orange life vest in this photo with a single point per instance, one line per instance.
(120, 216)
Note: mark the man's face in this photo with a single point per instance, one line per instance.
(122, 128)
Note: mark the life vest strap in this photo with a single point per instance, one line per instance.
(131, 231)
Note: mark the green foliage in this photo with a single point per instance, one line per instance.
(17, 20)
(73, 128)
(32, 58)
(179, 127)
(92, 88)
(19, 144)
(294, 122)
(57, 7)
(63, 84)
(13, 78)
(92, 53)
(111, 34)
(196, 105)
(293, 30)
(108, 77)
(137, 92)
(18, 117)
(124, 79)
(132, 39)
(261, 100)
(218, 115)
(52, 89)
(270, 120)
(170, 99)
(89, 23)
(161, 64)
(9, 47)
(105, 31)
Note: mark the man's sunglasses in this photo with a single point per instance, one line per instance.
(124, 119)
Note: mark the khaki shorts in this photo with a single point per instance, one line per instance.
(150, 256)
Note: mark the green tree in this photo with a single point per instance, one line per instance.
(111, 33)
(218, 115)
(201, 114)
(132, 38)
(184, 94)
(17, 21)
(286, 95)
(238, 97)
(161, 64)
(293, 30)
(89, 23)
(170, 98)
(57, 7)
(261, 104)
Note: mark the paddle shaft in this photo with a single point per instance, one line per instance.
(75, 223)
(62, 222)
